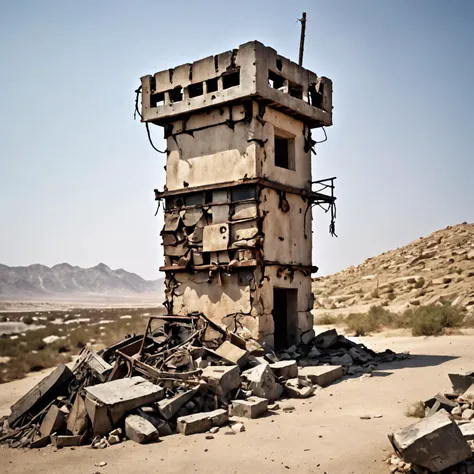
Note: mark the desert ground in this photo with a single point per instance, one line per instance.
(324, 434)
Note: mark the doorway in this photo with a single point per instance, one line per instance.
(285, 317)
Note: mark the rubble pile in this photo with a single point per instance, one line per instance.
(443, 441)
(184, 375)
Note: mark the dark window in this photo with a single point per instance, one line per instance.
(295, 90)
(208, 197)
(281, 152)
(239, 193)
(194, 199)
(279, 64)
(231, 80)
(275, 80)
(157, 99)
(211, 85)
(315, 97)
(176, 95)
(195, 90)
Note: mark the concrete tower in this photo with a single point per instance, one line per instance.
(238, 195)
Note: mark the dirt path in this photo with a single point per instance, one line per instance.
(324, 433)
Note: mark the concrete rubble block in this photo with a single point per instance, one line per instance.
(253, 407)
(467, 430)
(191, 424)
(222, 379)
(64, 441)
(40, 442)
(41, 394)
(308, 336)
(52, 422)
(218, 417)
(94, 362)
(286, 369)
(232, 353)
(345, 360)
(326, 339)
(434, 443)
(163, 427)
(299, 387)
(262, 382)
(359, 355)
(140, 430)
(322, 375)
(443, 402)
(78, 421)
(468, 395)
(468, 414)
(168, 407)
(107, 403)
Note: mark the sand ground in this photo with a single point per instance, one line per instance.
(323, 435)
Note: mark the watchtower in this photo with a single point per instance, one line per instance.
(238, 195)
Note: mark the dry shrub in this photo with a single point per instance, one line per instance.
(364, 323)
(416, 410)
(431, 320)
(326, 319)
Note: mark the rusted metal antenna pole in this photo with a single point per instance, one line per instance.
(303, 30)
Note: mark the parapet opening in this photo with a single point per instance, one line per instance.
(275, 81)
(176, 94)
(196, 90)
(231, 80)
(211, 85)
(157, 99)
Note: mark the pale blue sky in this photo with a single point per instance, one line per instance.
(77, 173)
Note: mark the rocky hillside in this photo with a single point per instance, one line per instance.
(437, 268)
(64, 280)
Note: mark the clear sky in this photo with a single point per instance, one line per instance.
(77, 173)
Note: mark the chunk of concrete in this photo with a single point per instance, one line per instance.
(434, 443)
(461, 382)
(443, 402)
(65, 441)
(78, 420)
(168, 407)
(261, 381)
(253, 407)
(326, 339)
(345, 360)
(468, 414)
(322, 375)
(308, 336)
(286, 369)
(41, 394)
(299, 387)
(107, 403)
(359, 355)
(468, 395)
(218, 417)
(140, 430)
(40, 442)
(52, 422)
(467, 430)
(191, 424)
(222, 379)
(233, 354)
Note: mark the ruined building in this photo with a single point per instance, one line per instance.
(237, 236)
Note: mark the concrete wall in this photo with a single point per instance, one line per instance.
(287, 235)
(205, 84)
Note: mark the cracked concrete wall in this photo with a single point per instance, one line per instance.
(287, 235)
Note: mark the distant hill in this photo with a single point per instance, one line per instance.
(65, 281)
(434, 269)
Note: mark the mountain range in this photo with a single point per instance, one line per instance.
(66, 281)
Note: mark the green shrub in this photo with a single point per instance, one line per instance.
(431, 320)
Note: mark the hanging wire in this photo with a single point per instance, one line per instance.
(147, 126)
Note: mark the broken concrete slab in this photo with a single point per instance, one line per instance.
(434, 443)
(140, 430)
(232, 353)
(107, 403)
(222, 379)
(345, 360)
(64, 441)
(444, 402)
(461, 382)
(286, 369)
(168, 407)
(41, 394)
(261, 381)
(253, 407)
(52, 422)
(467, 430)
(322, 375)
(359, 355)
(468, 395)
(299, 387)
(326, 339)
(468, 414)
(201, 422)
(308, 336)
(78, 420)
(94, 362)
(40, 442)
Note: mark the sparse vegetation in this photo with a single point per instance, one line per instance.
(416, 410)
(28, 352)
(431, 320)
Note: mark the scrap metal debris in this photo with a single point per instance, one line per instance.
(443, 441)
(185, 375)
